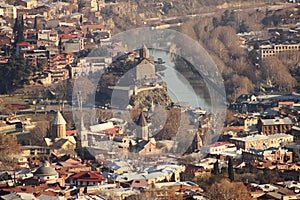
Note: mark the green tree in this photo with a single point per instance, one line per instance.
(15, 28)
(230, 170)
(35, 25)
(15, 73)
(81, 19)
(216, 168)
(19, 26)
(243, 27)
(215, 22)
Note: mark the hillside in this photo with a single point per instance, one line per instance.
(217, 34)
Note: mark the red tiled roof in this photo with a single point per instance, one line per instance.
(66, 36)
(218, 144)
(32, 32)
(88, 176)
(71, 133)
(110, 130)
(23, 44)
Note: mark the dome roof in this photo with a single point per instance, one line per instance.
(59, 119)
(45, 171)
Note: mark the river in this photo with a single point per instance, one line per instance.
(179, 88)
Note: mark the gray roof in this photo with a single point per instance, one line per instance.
(47, 197)
(275, 121)
(11, 196)
(261, 137)
(59, 119)
(45, 171)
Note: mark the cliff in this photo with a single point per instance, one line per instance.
(144, 99)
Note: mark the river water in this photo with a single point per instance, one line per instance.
(179, 88)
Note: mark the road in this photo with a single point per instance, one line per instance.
(163, 22)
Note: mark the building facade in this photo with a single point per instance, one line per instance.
(262, 141)
(273, 126)
(270, 154)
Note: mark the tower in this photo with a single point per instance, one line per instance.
(144, 53)
(143, 127)
(83, 134)
(145, 68)
(197, 143)
(58, 126)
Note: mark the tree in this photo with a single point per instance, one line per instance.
(230, 170)
(15, 28)
(226, 190)
(35, 25)
(15, 73)
(242, 27)
(20, 30)
(275, 71)
(81, 19)
(9, 149)
(38, 133)
(216, 168)
(215, 22)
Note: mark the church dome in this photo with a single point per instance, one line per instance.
(45, 171)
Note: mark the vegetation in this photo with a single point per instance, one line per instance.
(38, 134)
(18, 30)
(9, 149)
(237, 65)
(130, 14)
(15, 73)
(230, 170)
(216, 169)
(225, 190)
(250, 174)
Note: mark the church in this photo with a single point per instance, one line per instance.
(57, 138)
(144, 144)
(145, 68)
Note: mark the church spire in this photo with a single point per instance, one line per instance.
(83, 133)
(143, 127)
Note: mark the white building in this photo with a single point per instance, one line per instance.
(9, 11)
(218, 148)
(90, 65)
(48, 35)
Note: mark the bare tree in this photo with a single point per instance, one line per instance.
(37, 134)
(275, 71)
(225, 190)
(9, 149)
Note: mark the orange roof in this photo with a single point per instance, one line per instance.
(286, 103)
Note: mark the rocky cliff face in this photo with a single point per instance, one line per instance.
(145, 99)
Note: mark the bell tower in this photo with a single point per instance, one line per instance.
(143, 132)
(58, 126)
(144, 53)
